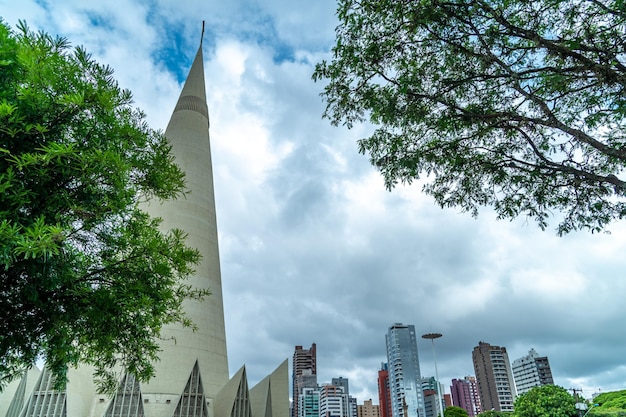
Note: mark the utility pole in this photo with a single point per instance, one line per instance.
(581, 406)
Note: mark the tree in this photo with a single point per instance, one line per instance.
(613, 399)
(609, 404)
(493, 413)
(454, 411)
(519, 105)
(545, 401)
(86, 276)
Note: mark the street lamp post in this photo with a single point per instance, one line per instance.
(432, 337)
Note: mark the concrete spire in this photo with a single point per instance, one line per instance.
(188, 133)
(193, 95)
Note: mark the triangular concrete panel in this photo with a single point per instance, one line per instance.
(44, 400)
(279, 390)
(127, 402)
(270, 397)
(234, 399)
(261, 399)
(192, 402)
(18, 390)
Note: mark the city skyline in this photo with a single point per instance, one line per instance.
(525, 372)
(521, 375)
(313, 247)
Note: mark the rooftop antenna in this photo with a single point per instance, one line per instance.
(202, 36)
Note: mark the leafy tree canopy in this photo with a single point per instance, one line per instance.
(454, 411)
(545, 401)
(85, 275)
(609, 404)
(613, 399)
(493, 413)
(518, 105)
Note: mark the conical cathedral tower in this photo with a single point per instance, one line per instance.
(192, 378)
(188, 133)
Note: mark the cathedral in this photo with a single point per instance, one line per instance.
(192, 377)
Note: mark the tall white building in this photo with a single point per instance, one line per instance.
(328, 400)
(407, 398)
(351, 408)
(192, 378)
(531, 371)
(333, 401)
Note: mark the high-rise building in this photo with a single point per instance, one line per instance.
(494, 377)
(309, 402)
(531, 371)
(333, 401)
(407, 398)
(192, 378)
(350, 403)
(384, 392)
(465, 395)
(341, 382)
(303, 374)
(432, 404)
(367, 409)
(307, 380)
(353, 408)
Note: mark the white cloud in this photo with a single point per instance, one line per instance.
(549, 284)
(470, 297)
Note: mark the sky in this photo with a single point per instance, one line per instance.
(313, 248)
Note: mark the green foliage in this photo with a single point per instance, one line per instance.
(545, 401)
(610, 404)
(85, 275)
(614, 399)
(454, 411)
(595, 412)
(518, 105)
(493, 413)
